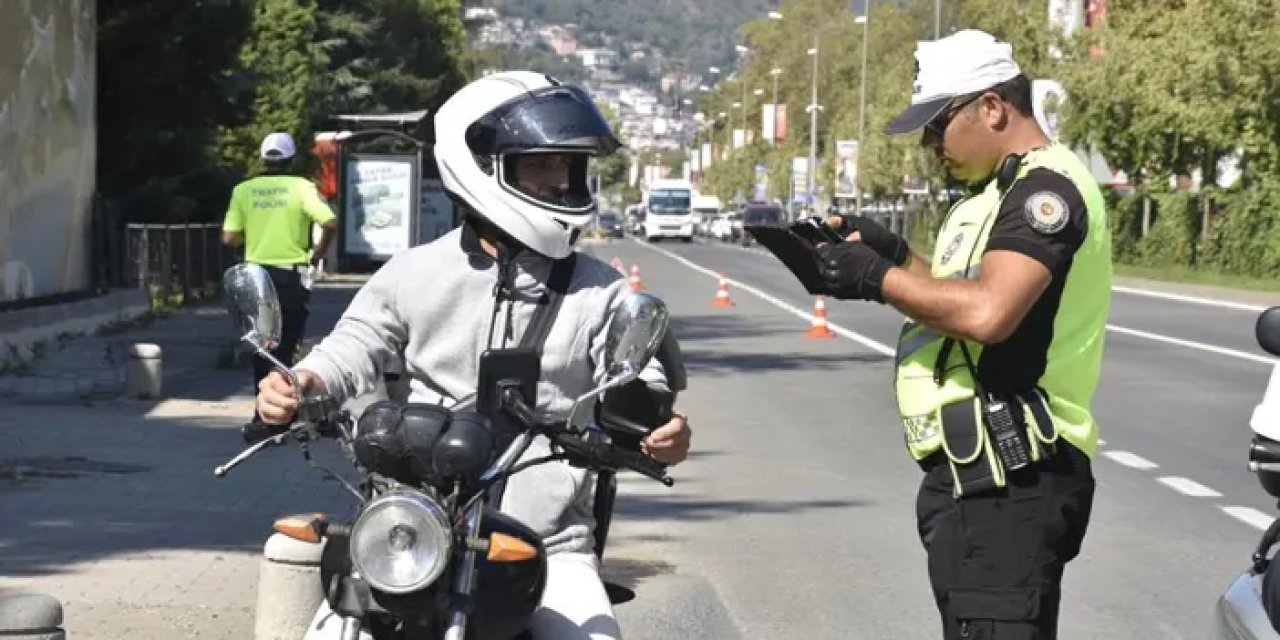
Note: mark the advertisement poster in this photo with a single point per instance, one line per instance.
(767, 122)
(780, 124)
(706, 155)
(800, 179)
(739, 138)
(379, 205)
(435, 212)
(762, 185)
(846, 168)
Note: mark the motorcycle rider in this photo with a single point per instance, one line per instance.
(513, 150)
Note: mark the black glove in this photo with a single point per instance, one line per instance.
(853, 271)
(888, 244)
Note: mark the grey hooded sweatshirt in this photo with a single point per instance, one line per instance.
(435, 303)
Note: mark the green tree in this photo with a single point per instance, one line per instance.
(1178, 87)
(282, 62)
(613, 169)
(1023, 24)
(168, 78)
(388, 55)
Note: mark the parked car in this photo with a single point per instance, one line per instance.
(762, 215)
(609, 224)
(726, 226)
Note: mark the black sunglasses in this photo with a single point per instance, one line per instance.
(937, 127)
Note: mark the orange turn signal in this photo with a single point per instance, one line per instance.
(306, 527)
(505, 548)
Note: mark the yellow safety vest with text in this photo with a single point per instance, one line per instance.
(1075, 353)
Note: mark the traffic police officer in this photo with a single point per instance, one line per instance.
(997, 362)
(271, 215)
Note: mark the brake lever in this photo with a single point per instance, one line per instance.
(247, 453)
(645, 466)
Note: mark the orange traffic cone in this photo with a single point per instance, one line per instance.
(722, 294)
(819, 328)
(635, 278)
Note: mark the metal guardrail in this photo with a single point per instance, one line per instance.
(176, 263)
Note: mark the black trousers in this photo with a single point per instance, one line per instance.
(294, 300)
(996, 559)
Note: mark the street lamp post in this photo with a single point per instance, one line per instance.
(744, 111)
(813, 119)
(773, 123)
(865, 19)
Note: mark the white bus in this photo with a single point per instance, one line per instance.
(667, 210)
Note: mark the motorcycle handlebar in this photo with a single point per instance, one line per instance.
(321, 413)
(597, 452)
(1264, 451)
(588, 448)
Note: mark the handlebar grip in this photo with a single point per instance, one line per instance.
(1264, 450)
(645, 466)
(601, 453)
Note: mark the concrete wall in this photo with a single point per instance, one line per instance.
(47, 145)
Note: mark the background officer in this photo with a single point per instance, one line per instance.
(271, 215)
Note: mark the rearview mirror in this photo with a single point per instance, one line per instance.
(635, 332)
(252, 301)
(1267, 331)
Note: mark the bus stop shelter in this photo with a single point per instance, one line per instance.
(381, 177)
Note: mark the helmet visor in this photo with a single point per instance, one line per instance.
(558, 118)
(556, 181)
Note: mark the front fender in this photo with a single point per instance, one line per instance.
(1240, 614)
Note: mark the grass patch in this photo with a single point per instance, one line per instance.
(1195, 276)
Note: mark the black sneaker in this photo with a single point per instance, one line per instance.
(254, 432)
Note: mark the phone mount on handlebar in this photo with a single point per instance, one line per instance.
(507, 394)
(517, 369)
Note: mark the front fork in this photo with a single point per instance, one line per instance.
(350, 629)
(465, 581)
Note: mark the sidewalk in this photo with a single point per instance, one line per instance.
(197, 344)
(1226, 294)
(111, 505)
(193, 341)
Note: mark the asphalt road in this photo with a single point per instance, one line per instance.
(796, 511)
(793, 518)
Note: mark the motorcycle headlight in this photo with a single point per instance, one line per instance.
(401, 542)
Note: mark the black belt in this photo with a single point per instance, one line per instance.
(295, 268)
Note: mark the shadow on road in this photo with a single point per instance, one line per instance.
(126, 485)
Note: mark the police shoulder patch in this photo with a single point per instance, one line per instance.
(1046, 212)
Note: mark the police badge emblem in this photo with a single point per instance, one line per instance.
(1046, 212)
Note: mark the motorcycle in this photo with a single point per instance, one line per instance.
(426, 556)
(1250, 607)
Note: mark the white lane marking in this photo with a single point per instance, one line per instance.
(1250, 516)
(1193, 345)
(1130, 460)
(1211, 302)
(1188, 487)
(1243, 355)
(878, 347)
(1149, 293)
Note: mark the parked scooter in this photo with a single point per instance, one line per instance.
(426, 556)
(1250, 608)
